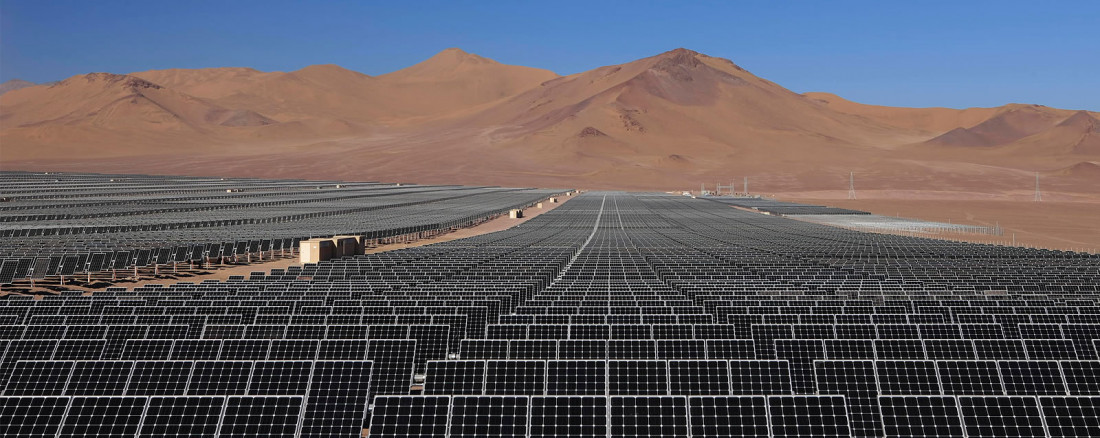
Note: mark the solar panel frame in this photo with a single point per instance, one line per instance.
(261, 416)
(646, 416)
(410, 416)
(808, 415)
(921, 416)
(488, 416)
(32, 416)
(573, 416)
(999, 416)
(728, 416)
(182, 416)
(105, 416)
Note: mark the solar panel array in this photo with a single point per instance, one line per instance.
(615, 314)
(66, 223)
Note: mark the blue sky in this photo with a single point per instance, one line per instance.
(901, 53)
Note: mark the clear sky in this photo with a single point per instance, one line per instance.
(902, 53)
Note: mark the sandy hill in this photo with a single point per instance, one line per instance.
(929, 120)
(669, 121)
(66, 119)
(14, 84)
(1009, 124)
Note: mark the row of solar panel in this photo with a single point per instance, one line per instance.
(743, 377)
(731, 416)
(764, 348)
(234, 416)
(194, 377)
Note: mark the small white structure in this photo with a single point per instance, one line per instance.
(315, 250)
(515, 213)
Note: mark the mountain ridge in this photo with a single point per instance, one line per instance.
(462, 118)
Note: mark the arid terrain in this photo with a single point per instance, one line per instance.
(667, 122)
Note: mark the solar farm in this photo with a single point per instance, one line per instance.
(614, 314)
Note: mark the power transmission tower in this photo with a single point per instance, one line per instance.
(1038, 194)
(851, 185)
(718, 189)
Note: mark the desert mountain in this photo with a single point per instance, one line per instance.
(665, 122)
(14, 84)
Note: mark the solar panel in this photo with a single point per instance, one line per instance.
(196, 349)
(855, 380)
(1022, 377)
(637, 377)
(1050, 349)
(699, 377)
(393, 365)
(759, 377)
(533, 349)
(841, 349)
(728, 416)
(455, 377)
(343, 349)
(907, 377)
(103, 417)
(488, 416)
(338, 398)
(32, 417)
(484, 349)
(921, 416)
(576, 377)
(950, 349)
(280, 378)
(159, 377)
(39, 378)
(219, 377)
(637, 416)
(244, 349)
(573, 416)
(1000, 349)
(99, 378)
(515, 377)
(38, 270)
(1082, 376)
(7, 271)
(681, 349)
(294, 349)
(410, 416)
(970, 377)
(899, 349)
(730, 349)
(800, 355)
(431, 342)
(182, 416)
(1001, 416)
(1071, 416)
(799, 416)
(582, 349)
(631, 349)
(261, 416)
(79, 349)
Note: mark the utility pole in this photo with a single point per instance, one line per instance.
(1038, 194)
(851, 185)
(746, 185)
